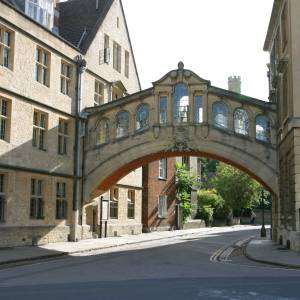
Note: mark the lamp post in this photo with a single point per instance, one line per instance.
(263, 229)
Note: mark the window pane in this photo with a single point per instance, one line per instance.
(163, 110)
(198, 109)
(1, 183)
(263, 130)
(6, 53)
(181, 103)
(142, 117)
(2, 129)
(162, 168)
(162, 206)
(241, 122)
(122, 124)
(220, 115)
(6, 38)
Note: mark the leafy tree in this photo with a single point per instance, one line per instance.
(211, 198)
(208, 170)
(184, 185)
(236, 188)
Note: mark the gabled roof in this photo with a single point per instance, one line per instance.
(79, 20)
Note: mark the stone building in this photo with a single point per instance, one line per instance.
(56, 59)
(283, 44)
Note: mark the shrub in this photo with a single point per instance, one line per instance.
(206, 213)
(214, 200)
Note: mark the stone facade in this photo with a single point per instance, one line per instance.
(283, 43)
(23, 164)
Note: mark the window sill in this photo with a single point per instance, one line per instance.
(4, 141)
(10, 69)
(162, 178)
(101, 145)
(243, 136)
(117, 139)
(66, 95)
(142, 130)
(223, 129)
(39, 149)
(44, 85)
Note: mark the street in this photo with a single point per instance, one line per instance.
(178, 268)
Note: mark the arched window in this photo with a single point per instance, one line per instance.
(241, 122)
(142, 117)
(220, 115)
(263, 128)
(102, 132)
(181, 103)
(122, 124)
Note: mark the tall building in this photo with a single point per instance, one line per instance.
(283, 44)
(56, 59)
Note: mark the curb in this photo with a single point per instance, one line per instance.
(28, 260)
(274, 263)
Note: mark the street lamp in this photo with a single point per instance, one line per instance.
(263, 232)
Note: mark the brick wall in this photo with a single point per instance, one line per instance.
(152, 188)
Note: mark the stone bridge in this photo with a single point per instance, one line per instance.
(182, 114)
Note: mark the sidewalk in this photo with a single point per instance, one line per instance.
(265, 251)
(261, 250)
(27, 254)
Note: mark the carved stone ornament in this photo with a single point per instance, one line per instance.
(156, 130)
(179, 146)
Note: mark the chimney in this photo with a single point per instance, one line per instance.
(97, 4)
(234, 84)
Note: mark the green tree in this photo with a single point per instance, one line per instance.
(211, 205)
(236, 188)
(184, 185)
(208, 170)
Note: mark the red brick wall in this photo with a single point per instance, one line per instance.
(152, 188)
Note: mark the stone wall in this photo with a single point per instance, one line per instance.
(32, 235)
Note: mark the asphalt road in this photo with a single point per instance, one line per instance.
(179, 268)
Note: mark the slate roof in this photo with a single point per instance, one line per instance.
(79, 20)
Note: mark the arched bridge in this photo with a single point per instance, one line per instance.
(182, 114)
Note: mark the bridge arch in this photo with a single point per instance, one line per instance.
(106, 163)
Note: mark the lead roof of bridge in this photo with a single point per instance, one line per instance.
(170, 79)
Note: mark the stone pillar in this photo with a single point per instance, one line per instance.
(75, 228)
(206, 115)
(194, 202)
(191, 111)
(155, 110)
(170, 118)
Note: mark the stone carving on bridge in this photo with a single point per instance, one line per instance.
(179, 146)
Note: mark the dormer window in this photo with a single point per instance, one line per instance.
(41, 11)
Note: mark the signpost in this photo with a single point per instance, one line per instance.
(103, 216)
(263, 232)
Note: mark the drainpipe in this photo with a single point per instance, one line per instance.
(81, 64)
